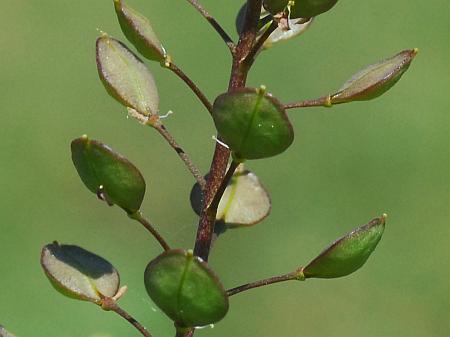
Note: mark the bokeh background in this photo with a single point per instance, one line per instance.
(348, 164)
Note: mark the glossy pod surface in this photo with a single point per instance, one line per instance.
(252, 123)
(186, 289)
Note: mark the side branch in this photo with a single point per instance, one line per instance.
(250, 29)
(110, 304)
(139, 217)
(225, 37)
(185, 332)
(177, 71)
(259, 43)
(207, 220)
(247, 39)
(183, 155)
(213, 206)
(324, 101)
(265, 282)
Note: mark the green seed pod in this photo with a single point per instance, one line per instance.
(275, 6)
(347, 254)
(108, 174)
(300, 8)
(245, 201)
(253, 123)
(125, 77)
(139, 32)
(78, 273)
(185, 289)
(376, 79)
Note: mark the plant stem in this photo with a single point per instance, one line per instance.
(184, 332)
(262, 283)
(170, 65)
(250, 28)
(246, 42)
(259, 43)
(225, 37)
(208, 218)
(225, 181)
(221, 156)
(183, 155)
(324, 101)
(111, 305)
(139, 217)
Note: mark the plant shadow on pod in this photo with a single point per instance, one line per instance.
(78, 273)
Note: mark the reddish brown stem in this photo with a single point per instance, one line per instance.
(201, 96)
(225, 37)
(258, 45)
(324, 101)
(144, 222)
(184, 332)
(216, 200)
(262, 283)
(207, 219)
(181, 153)
(110, 304)
(221, 154)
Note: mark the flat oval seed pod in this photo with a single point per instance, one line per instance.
(310, 8)
(296, 28)
(245, 201)
(347, 254)
(264, 18)
(185, 289)
(139, 32)
(240, 18)
(4, 333)
(125, 77)
(376, 79)
(275, 6)
(300, 8)
(78, 273)
(108, 174)
(253, 123)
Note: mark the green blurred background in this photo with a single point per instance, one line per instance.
(347, 165)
